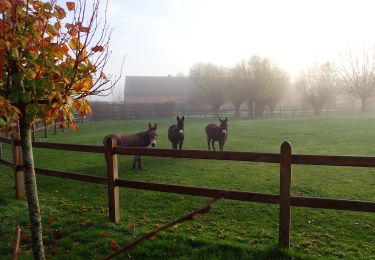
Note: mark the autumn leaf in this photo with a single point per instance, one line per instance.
(73, 32)
(73, 126)
(131, 227)
(83, 223)
(4, 5)
(84, 29)
(105, 234)
(153, 237)
(71, 6)
(97, 48)
(25, 239)
(114, 244)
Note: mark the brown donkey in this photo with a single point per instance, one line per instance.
(142, 139)
(217, 133)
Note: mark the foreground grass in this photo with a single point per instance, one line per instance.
(75, 213)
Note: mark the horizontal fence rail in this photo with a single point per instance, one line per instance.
(285, 158)
(196, 191)
(70, 147)
(199, 154)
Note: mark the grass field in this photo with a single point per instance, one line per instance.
(75, 213)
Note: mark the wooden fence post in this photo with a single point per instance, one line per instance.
(17, 166)
(112, 175)
(45, 129)
(285, 183)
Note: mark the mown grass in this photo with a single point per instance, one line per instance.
(75, 213)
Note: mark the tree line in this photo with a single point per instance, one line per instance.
(261, 84)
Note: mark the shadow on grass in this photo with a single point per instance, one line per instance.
(168, 246)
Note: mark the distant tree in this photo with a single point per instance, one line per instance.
(49, 63)
(211, 82)
(265, 83)
(317, 86)
(355, 73)
(236, 89)
(276, 89)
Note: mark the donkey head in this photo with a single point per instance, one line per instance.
(180, 125)
(152, 133)
(224, 126)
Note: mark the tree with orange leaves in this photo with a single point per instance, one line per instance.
(51, 59)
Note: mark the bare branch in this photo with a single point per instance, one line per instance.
(191, 216)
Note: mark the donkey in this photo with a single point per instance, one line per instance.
(142, 139)
(217, 133)
(176, 133)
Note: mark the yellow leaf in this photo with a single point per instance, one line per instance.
(73, 43)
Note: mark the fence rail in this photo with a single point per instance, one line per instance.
(121, 112)
(285, 158)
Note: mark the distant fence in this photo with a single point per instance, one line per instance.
(39, 126)
(285, 159)
(117, 112)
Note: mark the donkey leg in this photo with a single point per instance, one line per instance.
(134, 161)
(139, 162)
(180, 146)
(208, 143)
(213, 145)
(221, 146)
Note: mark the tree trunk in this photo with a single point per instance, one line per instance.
(250, 109)
(216, 109)
(237, 110)
(363, 105)
(260, 106)
(31, 190)
(317, 110)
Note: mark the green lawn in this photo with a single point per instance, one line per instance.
(75, 213)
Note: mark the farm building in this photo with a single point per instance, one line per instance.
(150, 89)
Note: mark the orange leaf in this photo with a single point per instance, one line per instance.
(71, 6)
(89, 109)
(153, 237)
(83, 223)
(25, 239)
(73, 126)
(84, 29)
(114, 244)
(105, 234)
(131, 227)
(97, 48)
(4, 5)
(73, 32)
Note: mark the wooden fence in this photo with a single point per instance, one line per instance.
(285, 159)
(39, 126)
(126, 114)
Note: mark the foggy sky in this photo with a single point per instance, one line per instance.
(161, 37)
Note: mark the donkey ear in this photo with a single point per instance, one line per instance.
(183, 118)
(156, 126)
(226, 119)
(178, 118)
(220, 119)
(149, 126)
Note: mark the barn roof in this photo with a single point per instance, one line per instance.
(157, 86)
